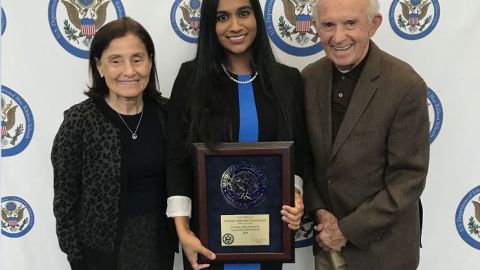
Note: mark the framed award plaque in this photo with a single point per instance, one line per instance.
(241, 189)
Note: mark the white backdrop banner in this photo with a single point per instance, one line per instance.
(44, 71)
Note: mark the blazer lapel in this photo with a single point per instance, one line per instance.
(324, 105)
(363, 93)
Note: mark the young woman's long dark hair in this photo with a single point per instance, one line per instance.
(208, 69)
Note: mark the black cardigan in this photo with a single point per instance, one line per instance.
(90, 201)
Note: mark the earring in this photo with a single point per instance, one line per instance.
(101, 75)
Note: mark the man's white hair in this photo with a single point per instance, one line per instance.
(374, 9)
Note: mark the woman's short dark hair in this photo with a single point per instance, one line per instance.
(102, 39)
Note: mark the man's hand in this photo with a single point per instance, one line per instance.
(329, 236)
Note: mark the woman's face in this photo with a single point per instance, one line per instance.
(236, 26)
(126, 66)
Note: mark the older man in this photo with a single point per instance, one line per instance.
(367, 119)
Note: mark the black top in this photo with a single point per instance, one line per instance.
(343, 85)
(145, 163)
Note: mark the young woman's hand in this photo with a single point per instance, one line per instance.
(293, 215)
(191, 245)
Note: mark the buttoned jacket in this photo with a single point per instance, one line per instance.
(372, 175)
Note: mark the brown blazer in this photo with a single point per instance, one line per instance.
(371, 177)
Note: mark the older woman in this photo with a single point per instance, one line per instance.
(109, 160)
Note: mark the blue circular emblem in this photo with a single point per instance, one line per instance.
(467, 218)
(435, 112)
(289, 25)
(16, 124)
(185, 19)
(244, 185)
(75, 22)
(414, 19)
(3, 21)
(17, 217)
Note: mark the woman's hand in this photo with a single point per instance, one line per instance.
(192, 247)
(191, 244)
(293, 215)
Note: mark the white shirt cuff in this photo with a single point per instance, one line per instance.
(299, 184)
(179, 206)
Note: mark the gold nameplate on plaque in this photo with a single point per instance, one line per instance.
(245, 230)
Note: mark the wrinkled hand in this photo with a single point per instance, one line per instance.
(329, 236)
(192, 247)
(293, 215)
(323, 216)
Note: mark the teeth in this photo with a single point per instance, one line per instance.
(342, 48)
(237, 38)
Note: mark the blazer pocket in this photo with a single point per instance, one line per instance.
(384, 236)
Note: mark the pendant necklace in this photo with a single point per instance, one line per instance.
(134, 134)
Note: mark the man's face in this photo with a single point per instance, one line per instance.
(345, 30)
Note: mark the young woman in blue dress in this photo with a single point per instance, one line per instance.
(233, 91)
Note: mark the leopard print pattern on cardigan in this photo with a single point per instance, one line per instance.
(86, 158)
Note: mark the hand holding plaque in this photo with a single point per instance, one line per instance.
(293, 215)
(191, 245)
